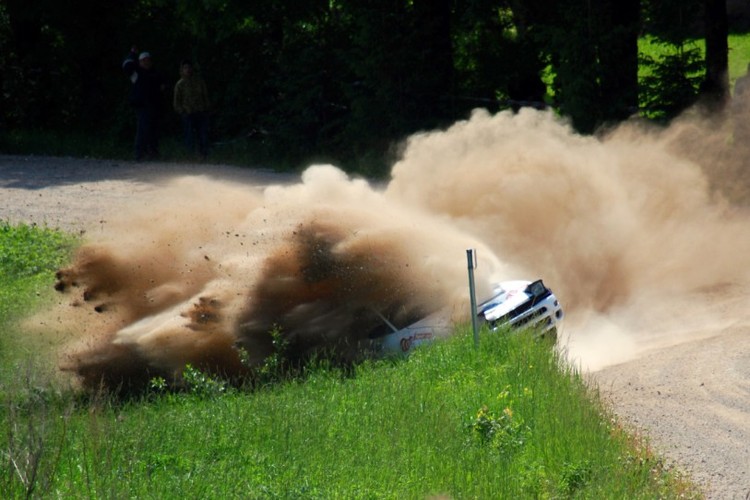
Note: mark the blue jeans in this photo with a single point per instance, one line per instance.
(195, 126)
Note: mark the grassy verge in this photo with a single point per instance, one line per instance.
(506, 420)
(29, 255)
(64, 143)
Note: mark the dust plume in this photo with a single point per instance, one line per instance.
(634, 230)
(205, 273)
(641, 234)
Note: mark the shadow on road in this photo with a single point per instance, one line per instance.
(34, 172)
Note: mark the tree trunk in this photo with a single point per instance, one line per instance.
(715, 88)
(434, 54)
(618, 57)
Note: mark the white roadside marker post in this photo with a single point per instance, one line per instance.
(471, 258)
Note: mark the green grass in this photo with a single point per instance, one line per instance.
(739, 56)
(29, 256)
(83, 145)
(64, 143)
(506, 420)
(739, 53)
(248, 153)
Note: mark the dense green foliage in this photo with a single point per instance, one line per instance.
(509, 419)
(672, 77)
(29, 256)
(343, 80)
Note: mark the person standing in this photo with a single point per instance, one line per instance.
(191, 103)
(147, 98)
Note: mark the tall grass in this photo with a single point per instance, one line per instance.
(509, 419)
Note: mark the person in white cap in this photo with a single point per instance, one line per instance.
(147, 98)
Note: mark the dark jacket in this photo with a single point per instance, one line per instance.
(148, 85)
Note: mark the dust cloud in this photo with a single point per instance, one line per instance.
(642, 234)
(207, 271)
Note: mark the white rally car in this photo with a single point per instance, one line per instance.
(515, 303)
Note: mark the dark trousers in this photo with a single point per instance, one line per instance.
(147, 133)
(195, 126)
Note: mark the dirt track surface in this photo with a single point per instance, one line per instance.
(692, 399)
(80, 194)
(693, 402)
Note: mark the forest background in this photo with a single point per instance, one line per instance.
(345, 81)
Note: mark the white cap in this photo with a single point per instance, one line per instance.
(143, 56)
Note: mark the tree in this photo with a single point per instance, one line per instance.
(593, 48)
(497, 56)
(618, 59)
(400, 55)
(346, 80)
(683, 77)
(715, 87)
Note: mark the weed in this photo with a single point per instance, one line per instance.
(158, 384)
(575, 476)
(503, 431)
(276, 366)
(200, 384)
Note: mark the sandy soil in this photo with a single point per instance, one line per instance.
(692, 399)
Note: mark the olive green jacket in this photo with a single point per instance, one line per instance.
(190, 95)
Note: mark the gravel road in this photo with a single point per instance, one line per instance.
(691, 399)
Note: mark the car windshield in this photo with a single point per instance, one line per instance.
(536, 289)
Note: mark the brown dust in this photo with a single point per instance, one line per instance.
(642, 234)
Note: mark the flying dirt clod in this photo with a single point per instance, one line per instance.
(625, 227)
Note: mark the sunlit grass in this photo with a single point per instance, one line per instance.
(739, 56)
(29, 256)
(739, 53)
(504, 421)
(509, 419)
